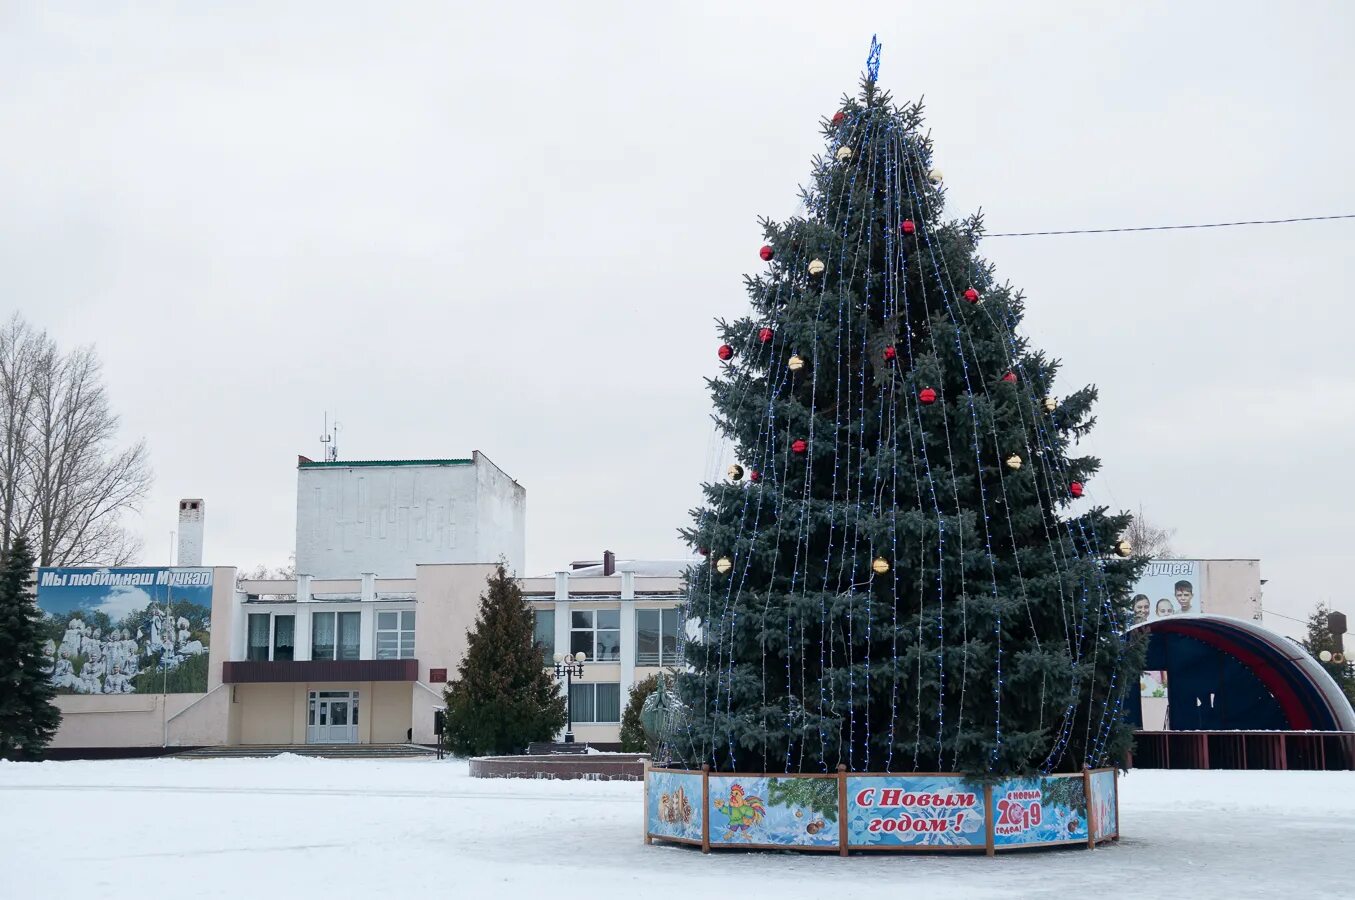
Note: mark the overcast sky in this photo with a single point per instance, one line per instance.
(508, 227)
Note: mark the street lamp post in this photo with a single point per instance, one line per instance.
(567, 667)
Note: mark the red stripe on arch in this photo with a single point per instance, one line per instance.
(1269, 675)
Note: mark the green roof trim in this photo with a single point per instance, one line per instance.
(361, 463)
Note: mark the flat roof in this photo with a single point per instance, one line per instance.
(359, 463)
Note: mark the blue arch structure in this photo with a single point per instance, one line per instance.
(1232, 674)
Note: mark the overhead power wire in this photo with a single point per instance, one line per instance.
(1171, 227)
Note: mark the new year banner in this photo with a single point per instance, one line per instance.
(1101, 805)
(675, 805)
(914, 811)
(126, 630)
(778, 812)
(1047, 810)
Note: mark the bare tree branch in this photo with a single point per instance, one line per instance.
(64, 484)
(1148, 539)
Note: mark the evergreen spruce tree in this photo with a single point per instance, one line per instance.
(901, 576)
(503, 697)
(1320, 639)
(28, 717)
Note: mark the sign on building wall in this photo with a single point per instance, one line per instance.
(1169, 587)
(126, 630)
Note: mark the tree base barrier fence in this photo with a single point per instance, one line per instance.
(846, 811)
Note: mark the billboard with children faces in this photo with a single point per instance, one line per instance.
(1168, 587)
(126, 630)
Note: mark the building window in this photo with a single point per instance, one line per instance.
(258, 637)
(595, 703)
(596, 632)
(395, 635)
(335, 635)
(656, 637)
(544, 633)
(284, 633)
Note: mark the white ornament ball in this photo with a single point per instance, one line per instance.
(816, 267)
(844, 153)
(934, 176)
(1050, 404)
(1013, 462)
(1325, 656)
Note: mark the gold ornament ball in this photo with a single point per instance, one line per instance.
(723, 565)
(1050, 404)
(1013, 462)
(934, 176)
(816, 267)
(795, 364)
(1339, 658)
(880, 566)
(844, 154)
(1124, 548)
(735, 472)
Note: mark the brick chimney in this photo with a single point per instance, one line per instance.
(608, 562)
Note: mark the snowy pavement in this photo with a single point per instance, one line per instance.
(300, 828)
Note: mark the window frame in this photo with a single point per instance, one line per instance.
(400, 631)
(270, 647)
(594, 630)
(591, 687)
(664, 656)
(547, 646)
(338, 634)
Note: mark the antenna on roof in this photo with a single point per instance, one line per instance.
(330, 440)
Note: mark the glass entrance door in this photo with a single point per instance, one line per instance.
(332, 717)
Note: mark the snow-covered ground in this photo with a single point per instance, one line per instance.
(300, 828)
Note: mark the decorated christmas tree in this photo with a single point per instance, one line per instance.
(907, 570)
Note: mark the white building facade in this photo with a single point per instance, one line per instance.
(389, 516)
(366, 660)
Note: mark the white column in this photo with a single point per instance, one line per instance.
(301, 648)
(561, 625)
(239, 637)
(301, 637)
(561, 612)
(627, 649)
(367, 636)
(368, 587)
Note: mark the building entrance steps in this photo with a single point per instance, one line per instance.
(322, 751)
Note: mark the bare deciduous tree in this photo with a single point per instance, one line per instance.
(1148, 539)
(65, 485)
(269, 573)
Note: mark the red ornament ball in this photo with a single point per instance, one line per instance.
(800, 448)
(971, 295)
(1010, 378)
(890, 353)
(927, 396)
(1075, 489)
(704, 551)
(766, 252)
(754, 476)
(839, 117)
(908, 226)
(726, 352)
(765, 335)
